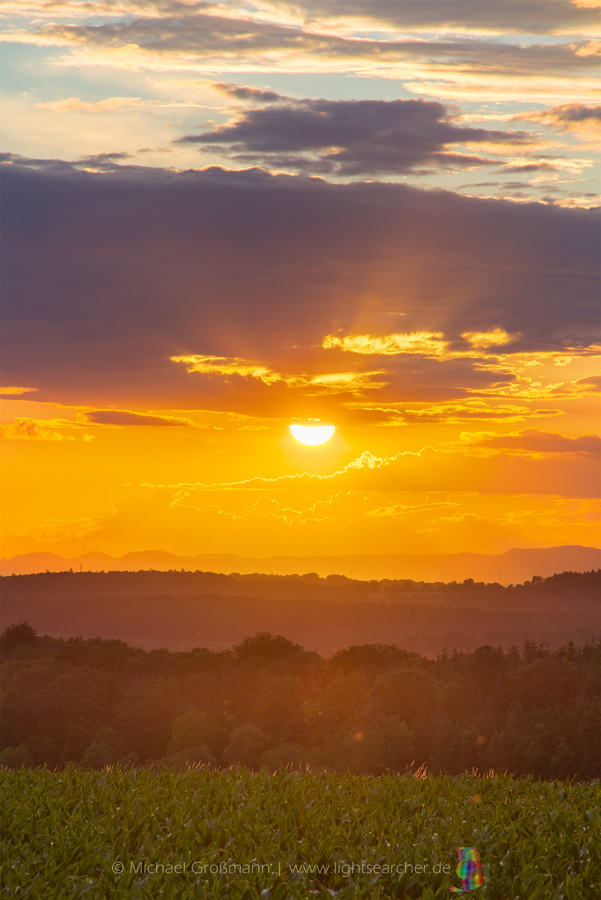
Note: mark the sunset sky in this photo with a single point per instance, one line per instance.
(223, 217)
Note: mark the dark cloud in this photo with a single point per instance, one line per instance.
(516, 185)
(104, 160)
(193, 32)
(475, 184)
(108, 275)
(575, 113)
(546, 442)
(353, 137)
(243, 92)
(510, 16)
(8, 159)
(125, 417)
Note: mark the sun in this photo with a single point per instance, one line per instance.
(312, 435)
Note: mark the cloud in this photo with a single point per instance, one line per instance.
(530, 167)
(529, 390)
(8, 391)
(422, 342)
(351, 137)
(219, 365)
(497, 337)
(42, 430)
(537, 442)
(431, 469)
(125, 417)
(347, 380)
(181, 37)
(100, 161)
(227, 270)
(110, 104)
(338, 522)
(69, 104)
(590, 385)
(511, 16)
(351, 16)
(591, 48)
(568, 117)
(365, 461)
(244, 92)
(329, 382)
(473, 410)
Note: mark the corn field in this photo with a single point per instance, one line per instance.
(203, 833)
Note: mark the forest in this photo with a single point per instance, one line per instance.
(267, 703)
(180, 609)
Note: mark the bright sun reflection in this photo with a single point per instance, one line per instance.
(312, 435)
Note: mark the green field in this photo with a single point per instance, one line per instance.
(198, 833)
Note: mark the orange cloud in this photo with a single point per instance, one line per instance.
(533, 441)
(15, 391)
(41, 430)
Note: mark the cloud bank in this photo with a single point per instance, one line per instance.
(249, 275)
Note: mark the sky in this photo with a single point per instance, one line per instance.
(223, 218)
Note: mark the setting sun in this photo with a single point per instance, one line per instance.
(312, 435)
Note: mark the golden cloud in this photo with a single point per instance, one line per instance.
(10, 391)
(230, 365)
(423, 342)
(227, 365)
(483, 339)
(347, 381)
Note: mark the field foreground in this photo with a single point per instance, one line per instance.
(199, 833)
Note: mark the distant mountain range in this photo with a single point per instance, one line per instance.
(511, 567)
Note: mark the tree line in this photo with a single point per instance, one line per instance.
(181, 609)
(267, 702)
